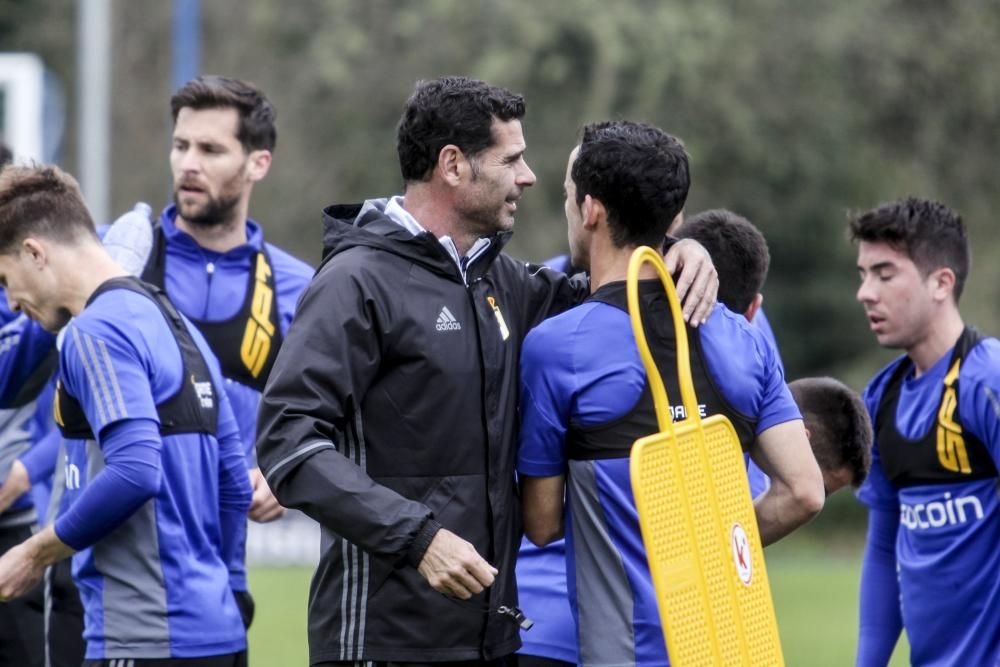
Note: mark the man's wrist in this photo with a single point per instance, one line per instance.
(422, 541)
(46, 548)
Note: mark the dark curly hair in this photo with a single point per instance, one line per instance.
(638, 172)
(738, 250)
(926, 231)
(257, 114)
(840, 431)
(450, 110)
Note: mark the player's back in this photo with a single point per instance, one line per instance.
(582, 368)
(157, 583)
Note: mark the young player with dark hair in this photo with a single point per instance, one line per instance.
(931, 560)
(839, 430)
(156, 486)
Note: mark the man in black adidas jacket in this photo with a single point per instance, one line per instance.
(390, 415)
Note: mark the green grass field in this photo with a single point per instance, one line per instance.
(814, 586)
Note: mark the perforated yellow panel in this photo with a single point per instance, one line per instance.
(697, 519)
(691, 493)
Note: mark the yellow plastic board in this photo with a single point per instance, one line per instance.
(697, 519)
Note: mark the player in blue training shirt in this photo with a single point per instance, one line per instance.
(156, 484)
(932, 563)
(212, 261)
(584, 403)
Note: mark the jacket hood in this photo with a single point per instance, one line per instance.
(348, 225)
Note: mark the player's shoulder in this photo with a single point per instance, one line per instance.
(116, 310)
(589, 317)
(982, 364)
(122, 318)
(576, 336)
(729, 334)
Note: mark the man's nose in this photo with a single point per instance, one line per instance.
(190, 161)
(526, 177)
(865, 293)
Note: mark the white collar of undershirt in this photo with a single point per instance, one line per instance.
(394, 211)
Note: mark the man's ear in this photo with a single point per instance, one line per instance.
(452, 164)
(754, 306)
(35, 250)
(943, 283)
(593, 212)
(258, 164)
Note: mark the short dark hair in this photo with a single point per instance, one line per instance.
(43, 201)
(638, 172)
(840, 431)
(928, 232)
(738, 250)
(256, 130)
(450, 110)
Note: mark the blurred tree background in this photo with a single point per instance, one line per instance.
(795, 114)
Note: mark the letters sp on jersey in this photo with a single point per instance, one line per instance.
(259, 329)
(950, 443)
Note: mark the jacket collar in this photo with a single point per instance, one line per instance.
(350, 225)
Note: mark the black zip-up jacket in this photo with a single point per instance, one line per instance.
(392, 411)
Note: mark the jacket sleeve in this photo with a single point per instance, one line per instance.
(329, 358)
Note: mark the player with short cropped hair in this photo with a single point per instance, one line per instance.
(931, 560)
(583, 398)
(839, 430)
(213, 262)
(739, 253)
(156, 485)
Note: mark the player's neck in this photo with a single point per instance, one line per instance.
(222, 237)
(430, 208)
(91, 267)
(937, 343)
(609, 264)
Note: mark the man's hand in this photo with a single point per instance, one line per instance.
(264, 506)
(22, 567)
(452, 566)
(698, 284)
(15, 486)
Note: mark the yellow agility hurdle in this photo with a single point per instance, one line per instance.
(697, 518)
